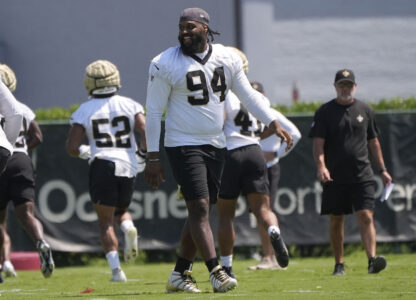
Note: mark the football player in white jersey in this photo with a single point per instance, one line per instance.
(273, 151)
(245, 172)
(109, 121)
(17, 185)
(191, 82)
(12, 121)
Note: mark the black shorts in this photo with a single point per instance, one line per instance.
(17, 183)
(197, 170)
(273, 173)
(107, 188)
(4, 157)
(343, 199)
(245, 172)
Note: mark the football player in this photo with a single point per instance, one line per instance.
(17, 184)
(109, 121)
(12, 116)
(245, 172)
(191, 82)
(273, 151)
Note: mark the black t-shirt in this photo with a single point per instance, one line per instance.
(346, 130)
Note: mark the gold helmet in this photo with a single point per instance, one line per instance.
(242, 56)
(8, 77)
(101, 77)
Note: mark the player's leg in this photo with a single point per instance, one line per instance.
(22, 192)
(226, 234)
(226, 205)
(104, 194)
(255, 185)
(198, 169)
(125, 221)
(25, 214)
(181, 276)
(269, 261)
(260, 206)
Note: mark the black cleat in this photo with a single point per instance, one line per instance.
(282, 255)
(46, 259)
(229, 271)
(376, 264)
(339, 270)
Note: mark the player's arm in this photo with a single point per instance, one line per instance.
(158, 91)
(13, 116)
(319, 157)
(255, 104)
(73, 143)
(376, 153)
(292, 129)
(140, 127)
(34, 135)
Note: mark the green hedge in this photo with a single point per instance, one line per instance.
(58, 113)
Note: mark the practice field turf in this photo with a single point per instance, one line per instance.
(308, 278)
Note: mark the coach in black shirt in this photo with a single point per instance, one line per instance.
(343, 132)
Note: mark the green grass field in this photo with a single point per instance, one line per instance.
(306, 278)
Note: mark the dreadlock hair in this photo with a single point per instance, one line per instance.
(211, 33)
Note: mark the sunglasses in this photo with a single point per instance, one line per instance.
(345, 84)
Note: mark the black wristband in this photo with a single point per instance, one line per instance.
(381, 171)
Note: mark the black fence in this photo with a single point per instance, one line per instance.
(70, 224)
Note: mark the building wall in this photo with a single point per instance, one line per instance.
(48, 43)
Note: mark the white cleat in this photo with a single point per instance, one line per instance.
(8, 269)
(220, 281)
(181, 283)
(118, 275)
(131, 245)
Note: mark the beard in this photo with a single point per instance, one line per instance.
(193, 45)
(346, 98)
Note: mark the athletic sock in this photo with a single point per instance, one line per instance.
(113, 260)
(125, 225)
(183, 265)
(227, 261)
(211, 263)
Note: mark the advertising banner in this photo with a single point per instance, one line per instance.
(70, 223)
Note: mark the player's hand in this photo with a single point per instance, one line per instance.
(153, 173)
(285, 136)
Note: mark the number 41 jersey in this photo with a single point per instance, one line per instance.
(109, 126)
(193, 89)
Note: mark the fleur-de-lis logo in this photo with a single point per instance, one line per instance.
(346, 73)
(360, 118)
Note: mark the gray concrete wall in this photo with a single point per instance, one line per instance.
(48, 43)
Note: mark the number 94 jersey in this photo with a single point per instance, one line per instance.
(193, 89)
(109, 126)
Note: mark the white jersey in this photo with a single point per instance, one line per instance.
(10, 110)
(193, 90)
(241, 128)
(28, 117)
(109, 126)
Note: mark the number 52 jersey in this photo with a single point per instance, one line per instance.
(109, 126)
